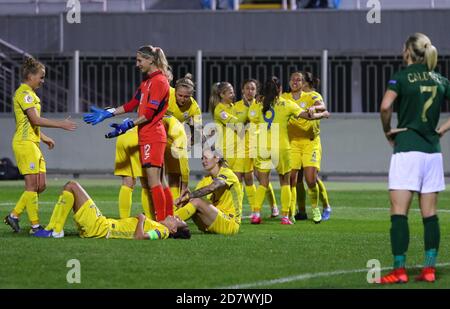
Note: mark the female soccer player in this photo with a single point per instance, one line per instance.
(216, 204)
(243, 167)
(152, 98)
(254, 114)
(222, 109)
(314, 148)
(176, 163)
(416, 165)
(274, 116)
(92, 224)
(128, 166)
(25, 143)
(184, 108)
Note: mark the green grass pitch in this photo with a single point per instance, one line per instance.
(332, 254)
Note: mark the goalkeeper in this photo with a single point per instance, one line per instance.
(151, 100)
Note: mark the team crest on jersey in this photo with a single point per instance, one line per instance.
(302, 104)
(186, 115)
(223, 115)
(314, 157)
(28, 99)
(32, 165)
(252, 113)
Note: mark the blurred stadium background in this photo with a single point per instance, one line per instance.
(92, 62)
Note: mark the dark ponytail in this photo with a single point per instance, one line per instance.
(312, 81)
(270, 91)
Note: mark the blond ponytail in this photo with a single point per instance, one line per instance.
(431, 57)
(421, 50)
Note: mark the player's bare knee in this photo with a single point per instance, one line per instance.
(130, 182)
(311, 183)
(41, 187)
(71, 185)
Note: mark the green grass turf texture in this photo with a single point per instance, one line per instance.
(357, 232)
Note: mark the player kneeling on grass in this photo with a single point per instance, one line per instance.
(216, 204)
(92, 224)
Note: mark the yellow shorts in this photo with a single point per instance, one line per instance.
(280, 160)
(29, 157)
(224, 225)
(177, 163)
(243, 165)
(306, 154)
(127, 162)
(231, 161)
(90, 221)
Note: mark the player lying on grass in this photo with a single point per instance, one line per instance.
(92, 224)
(216, 204)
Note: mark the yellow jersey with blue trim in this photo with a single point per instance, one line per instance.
(189, 113)
(227, 199)
(276, 122)
(25, 98)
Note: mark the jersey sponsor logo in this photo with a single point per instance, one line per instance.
(154, 102)
(28, 99)
(32, 165)
(392, 82)
(223, 115)
(146, 151)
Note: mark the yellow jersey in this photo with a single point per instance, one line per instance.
(176, 136)
(241, 111)
(125, 228)
(228, 200)
(25, 98)
(297, 128)
(224, 114)
(275, 121)
(311, 98)
(189, 113)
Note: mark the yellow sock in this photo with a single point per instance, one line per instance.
(175, 192)
(323, 194)
(54, 217)
(65, 204)
(21, 204)
(313, 194)
(301, 196)
(260, 195)
(293, 205)
(147, 204)
(125, 201)
(285, 199)
(251, 192)
(271, 196)
(32, 207)
(186, 211)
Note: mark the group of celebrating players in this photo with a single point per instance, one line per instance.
(265, 130)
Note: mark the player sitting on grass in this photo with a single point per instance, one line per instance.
(216, 204)
(92, 224)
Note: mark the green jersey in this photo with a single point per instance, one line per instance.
(420, 94)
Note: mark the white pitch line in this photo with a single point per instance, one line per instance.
(310, 276)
